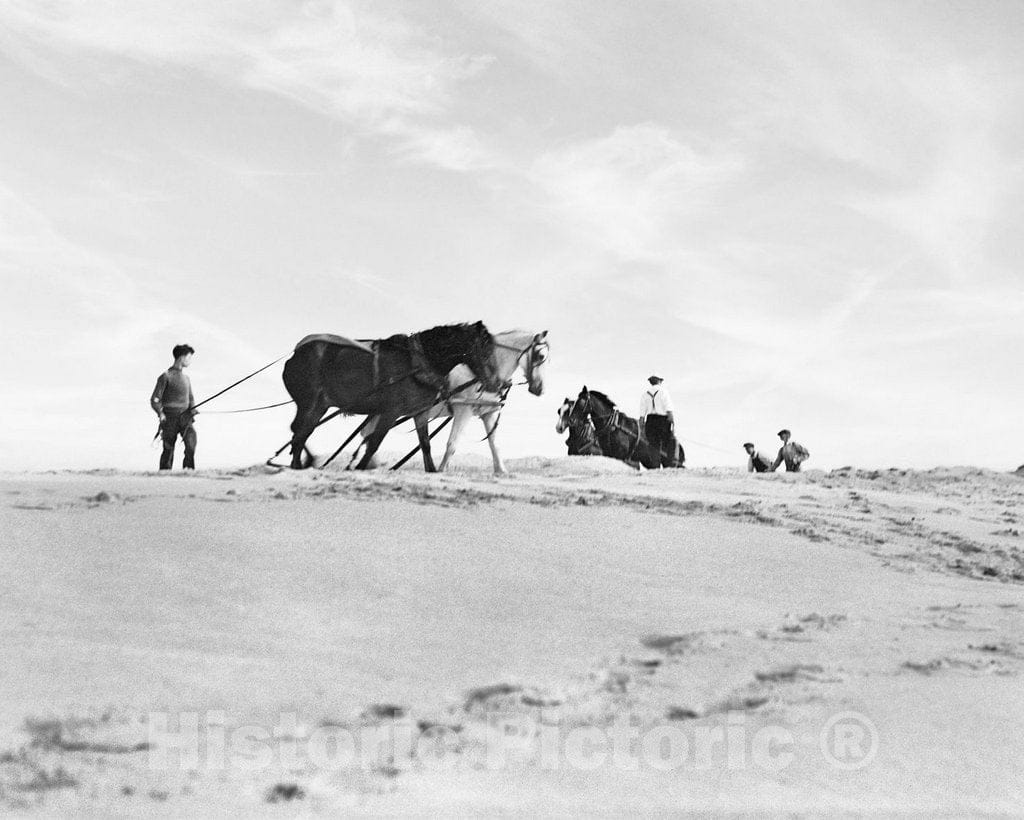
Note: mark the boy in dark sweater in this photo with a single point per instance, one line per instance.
(174, 404)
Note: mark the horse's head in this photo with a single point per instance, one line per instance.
(596, 403)
(563, 415)
(575, 412)
(579, 413)
(522, 350)
(536, 357)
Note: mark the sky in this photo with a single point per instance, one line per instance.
(802, 214)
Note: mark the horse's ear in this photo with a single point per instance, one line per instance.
(584, 390)
(542, 336)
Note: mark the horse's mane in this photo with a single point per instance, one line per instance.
(602, 396)
(444, 341)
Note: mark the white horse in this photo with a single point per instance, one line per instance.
(514, 351)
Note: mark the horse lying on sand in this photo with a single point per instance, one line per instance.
(582, 439)
(515, 351)
(619, 435)
(388, 378)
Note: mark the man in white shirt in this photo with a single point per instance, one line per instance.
(656, 415)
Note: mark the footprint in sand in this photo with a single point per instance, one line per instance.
(284, 792)
(790, 674)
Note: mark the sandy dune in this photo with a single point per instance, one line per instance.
(855, 639)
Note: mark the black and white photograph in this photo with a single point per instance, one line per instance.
(544, 408)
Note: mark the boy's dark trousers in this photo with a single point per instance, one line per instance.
(174, 425)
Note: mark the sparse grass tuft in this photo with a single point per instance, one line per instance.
(385, 711)
(62, 735)
(37, 777)
(670, 644)
(482, 694)
(284, 792)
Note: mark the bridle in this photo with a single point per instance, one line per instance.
(571, 413)
(538, 354)
(601, 426)
(577, 416)
(503, 388)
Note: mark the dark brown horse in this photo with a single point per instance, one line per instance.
(390, 378)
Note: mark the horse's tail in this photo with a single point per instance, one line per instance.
(303, 378)
(292, 374)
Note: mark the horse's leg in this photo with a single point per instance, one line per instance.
(461, 414)
(301, 377)
(373, 441)
(625, 449)
(490, 421)
(371, 425)
(423, 432)
(303, 426)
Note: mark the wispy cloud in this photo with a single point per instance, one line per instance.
(344, 60)
(90, 304)
(555, 36)
(455, 149)
(632, 190)
(965, 176)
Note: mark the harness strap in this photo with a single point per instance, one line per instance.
(424, 370)
(397, 465)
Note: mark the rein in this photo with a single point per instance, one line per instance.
(230, 386)
(248, 409)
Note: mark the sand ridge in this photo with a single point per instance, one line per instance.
(571, 595)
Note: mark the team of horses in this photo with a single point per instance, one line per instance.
(597, 427)
(450, 370)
